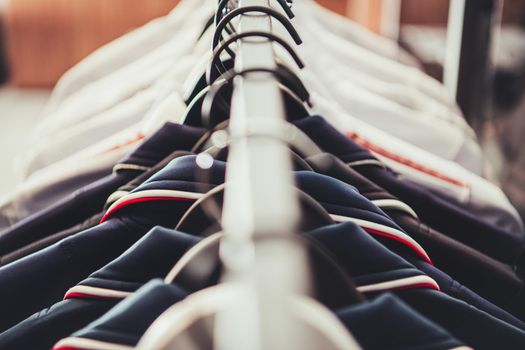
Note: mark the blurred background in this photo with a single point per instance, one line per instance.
(41, 39)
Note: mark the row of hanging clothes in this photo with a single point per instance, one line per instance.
(257, 174)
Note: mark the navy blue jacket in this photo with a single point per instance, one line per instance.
(90, 200)
(126, 322)
(385, 323)
(490, 278)
(432, 209)
(65, 263)
(388, 323)
(363, 258)
(53, 270)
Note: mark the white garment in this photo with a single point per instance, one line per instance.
(405, 95)
(76, 138)
(353, 32)
(113, 88)
(127, 104)
(401, 122)
(134, 44)
(117, 86)
(398, 120)
(54, 182)
(383, 67)
(124, 50)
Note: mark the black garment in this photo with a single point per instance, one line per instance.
(66, 317)
(460, 224)
(65, 263)
(388, 323)
(53, 270)
(88, 223)
(88, 201)
(128, 321)
(50, 240)
(338, 199)
(335, 196)
(385, 323)
(359, 253)
(476, 329)
(150, 257)
(154, 255)
(488, 277)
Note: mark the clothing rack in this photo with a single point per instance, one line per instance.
(260, 207)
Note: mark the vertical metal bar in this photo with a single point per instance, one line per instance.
(468, 64)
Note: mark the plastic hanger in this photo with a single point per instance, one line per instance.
(200, 111)
(190, 323)
(200, 268)
(222, 5)
(299, 163)
(295, 93)
(197, 219)
(299, 141)
(257, 9)
(211, 73)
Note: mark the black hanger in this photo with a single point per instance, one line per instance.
(220, 108)
(202, 83)
(295, 92)
(200, 111)
(201, 267)
(211, 75)
(208, 24)
(213, 71)
(217, 36)
(222, 5)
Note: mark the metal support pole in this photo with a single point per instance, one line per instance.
(468, 67)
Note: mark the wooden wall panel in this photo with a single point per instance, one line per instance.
(339, 6)
(425, 12)
(46, 37)
(366, 13)
(435, 12)
(514, 12)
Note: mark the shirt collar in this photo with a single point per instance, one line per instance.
(163, 142)
(373, 267)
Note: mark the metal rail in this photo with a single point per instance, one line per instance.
(260, 206)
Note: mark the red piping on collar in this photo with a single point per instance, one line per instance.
(413, 247)
(140, 200)
(126, 203)
(418, 286)
(76, 295)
